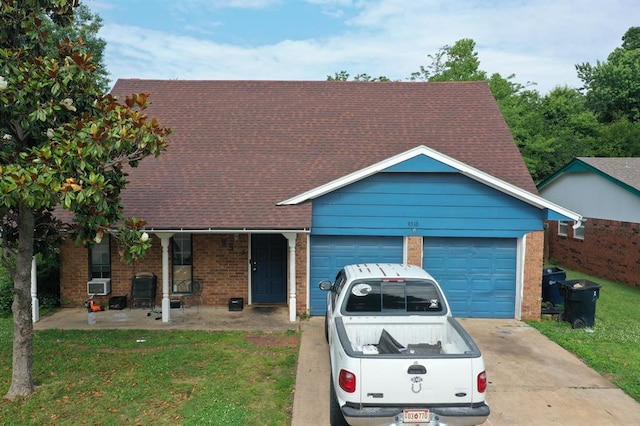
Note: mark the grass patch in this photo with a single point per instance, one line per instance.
(612, 346)
(154, 377)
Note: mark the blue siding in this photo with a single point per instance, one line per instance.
(421, 163)
(551, 215)
(423, 204)
(330, 253)
(476, 274)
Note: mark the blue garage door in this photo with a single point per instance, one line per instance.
(330, 253)
(478, 275)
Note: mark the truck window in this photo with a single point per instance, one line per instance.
(364, 297)
(381, 296)
(423, 298)
(393, 297)
(339, 285)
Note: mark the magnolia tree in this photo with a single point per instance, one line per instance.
(64, 146)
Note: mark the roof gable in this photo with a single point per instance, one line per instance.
(622, 171)
(599, 188)
(240, 147)
(434, 161)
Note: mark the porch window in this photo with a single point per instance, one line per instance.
(182, 262)
(562, 228)
(100, 259)
(578, 233)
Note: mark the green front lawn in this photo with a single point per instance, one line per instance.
(612, 346)
(154, 377)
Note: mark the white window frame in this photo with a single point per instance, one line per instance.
(563, 228)
(100, 259)
(578, 233)
(182, 259)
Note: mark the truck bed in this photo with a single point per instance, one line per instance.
(411, 335)
(409, 360)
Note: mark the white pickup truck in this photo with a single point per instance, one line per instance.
(397, 355)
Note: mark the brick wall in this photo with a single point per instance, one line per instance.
(414, 251)
(221, 261)
(532, 276)
(74, 273)
(302, 280)
(610, 250)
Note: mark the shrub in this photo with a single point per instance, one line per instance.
(6, 293)
(48, 285)
(49, 280)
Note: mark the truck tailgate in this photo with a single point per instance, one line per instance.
(420, 380)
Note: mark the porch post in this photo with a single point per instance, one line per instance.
(35, 305)
(291, 240)
(166, 305)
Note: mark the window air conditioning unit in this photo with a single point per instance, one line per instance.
(99, 286)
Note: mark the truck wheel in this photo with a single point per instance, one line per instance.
(335, 414)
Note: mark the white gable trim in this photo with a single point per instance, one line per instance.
(465, 169)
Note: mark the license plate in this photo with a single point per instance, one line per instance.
(415, 416)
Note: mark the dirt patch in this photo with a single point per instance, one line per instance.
(270, 340)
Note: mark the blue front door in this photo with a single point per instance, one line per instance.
(268, 268)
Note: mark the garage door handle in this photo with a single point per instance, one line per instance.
(417, 369)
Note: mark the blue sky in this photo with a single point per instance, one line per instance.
(537, 40)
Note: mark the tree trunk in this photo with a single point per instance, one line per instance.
(22, 378)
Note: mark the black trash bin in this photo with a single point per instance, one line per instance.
(580, 302)
(550, 287)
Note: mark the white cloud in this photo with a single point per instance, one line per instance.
(538, 40)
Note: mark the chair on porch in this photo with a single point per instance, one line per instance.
(143, 290)
(187, 293)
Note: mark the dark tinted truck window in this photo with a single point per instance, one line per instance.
(390, 297)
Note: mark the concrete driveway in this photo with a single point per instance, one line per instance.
(532, 380)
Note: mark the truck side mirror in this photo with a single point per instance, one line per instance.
(325, 285)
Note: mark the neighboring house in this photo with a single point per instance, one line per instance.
(268, 187)
(606, 191)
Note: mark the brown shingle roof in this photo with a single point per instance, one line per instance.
(240, 147)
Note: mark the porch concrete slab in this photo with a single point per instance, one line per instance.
(192, 318)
